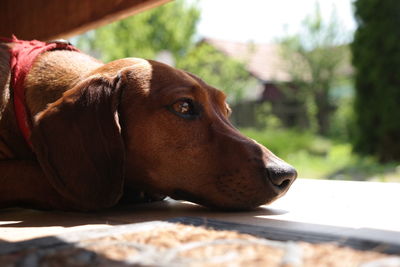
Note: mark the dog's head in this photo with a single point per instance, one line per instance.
(148, 126)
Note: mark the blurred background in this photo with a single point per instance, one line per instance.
(317, 83)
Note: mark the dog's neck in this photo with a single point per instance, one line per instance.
(52, 74)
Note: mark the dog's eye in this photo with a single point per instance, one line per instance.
(185, 108)
(182, 107)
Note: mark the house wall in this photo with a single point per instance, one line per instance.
(272, 102)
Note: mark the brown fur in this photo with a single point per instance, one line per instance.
(103, 129)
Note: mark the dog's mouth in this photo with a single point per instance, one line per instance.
(180, 194)
(132, 196)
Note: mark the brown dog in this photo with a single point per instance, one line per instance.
(132, 125)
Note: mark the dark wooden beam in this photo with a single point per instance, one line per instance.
(53, 19)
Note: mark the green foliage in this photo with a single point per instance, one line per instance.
(342, 120)
(172, 28)
(320, 158)
(376, 50)
(169, 27)
(315, 59)
(283, 142)
(217, 70)
(266, 118)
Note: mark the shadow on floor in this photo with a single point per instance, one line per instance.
(122, 214)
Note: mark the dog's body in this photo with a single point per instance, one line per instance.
(131, 125)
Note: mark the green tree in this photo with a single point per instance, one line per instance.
(171, 27)
(218, 70)
(315, 60)
(376, 50)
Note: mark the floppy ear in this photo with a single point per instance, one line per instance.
(78, 143)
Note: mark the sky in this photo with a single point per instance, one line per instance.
(263, 21)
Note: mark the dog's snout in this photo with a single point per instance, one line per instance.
(281, 175)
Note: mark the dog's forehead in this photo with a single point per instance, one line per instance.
(167, 77)
(213, 93)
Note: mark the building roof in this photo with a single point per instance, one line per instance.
(262, 60)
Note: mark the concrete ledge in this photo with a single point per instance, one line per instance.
(364, 210)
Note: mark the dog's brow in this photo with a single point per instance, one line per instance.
(219, 95)
(179, 90)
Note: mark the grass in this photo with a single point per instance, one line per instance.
(321, 158)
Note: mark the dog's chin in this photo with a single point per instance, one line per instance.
(226, 205)
(133, 196)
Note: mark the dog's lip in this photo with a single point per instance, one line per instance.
(180, 194)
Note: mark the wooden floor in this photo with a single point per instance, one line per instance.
(355, 209)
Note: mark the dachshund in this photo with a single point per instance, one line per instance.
(82, 135)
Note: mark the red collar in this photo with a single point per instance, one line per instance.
(22, 56)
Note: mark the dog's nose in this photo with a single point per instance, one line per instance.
(281, 175)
